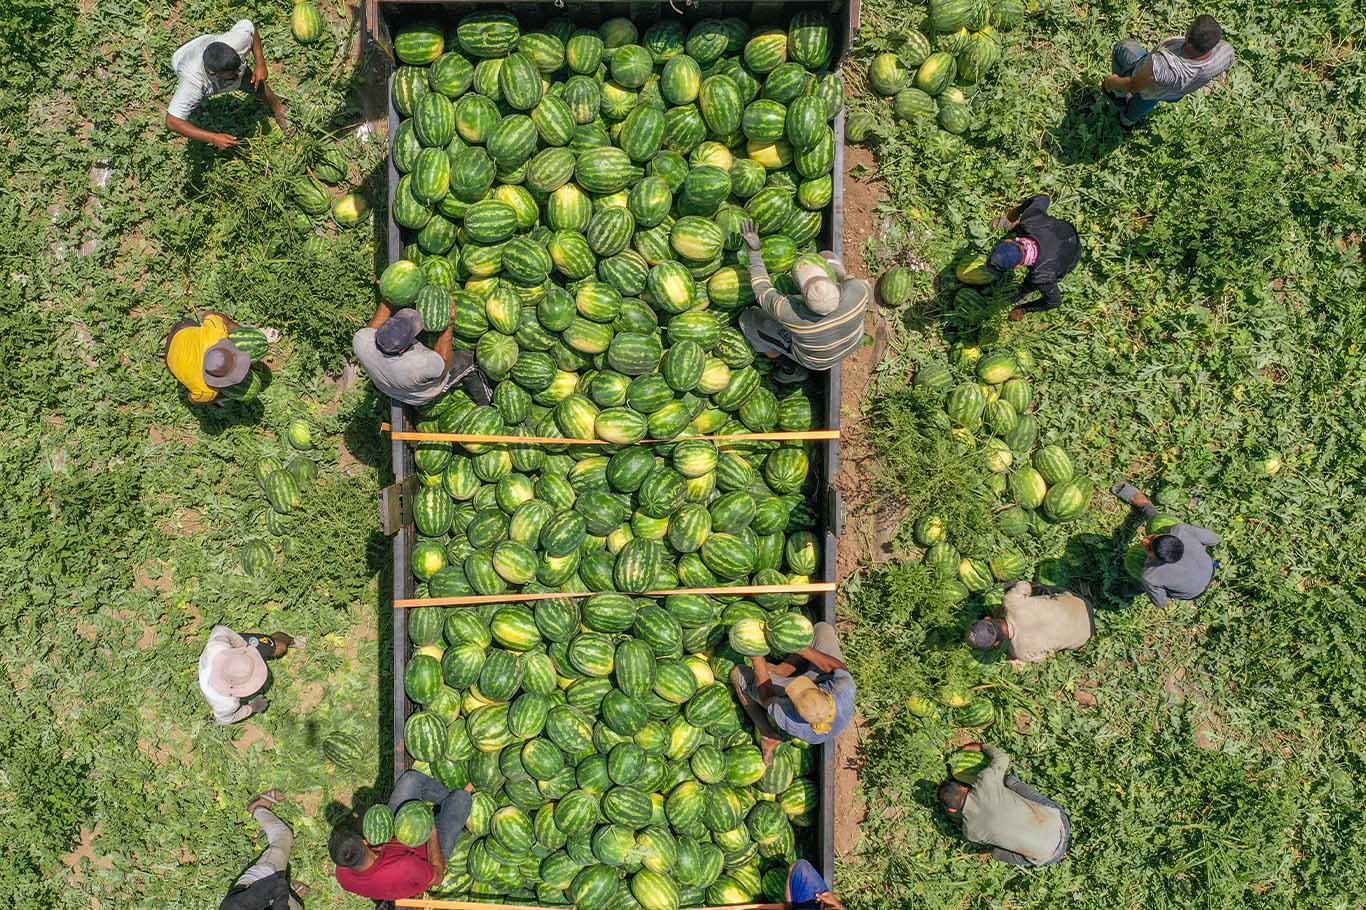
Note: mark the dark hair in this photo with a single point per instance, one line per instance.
(1167, 549)
(347, 849)
(952, 794)
(984, 634)
(1205, 33)
(220, 58)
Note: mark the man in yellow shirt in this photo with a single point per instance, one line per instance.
(201, 357)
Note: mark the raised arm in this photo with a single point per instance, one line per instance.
(444, 345)
(382, 314)
(1206, 536)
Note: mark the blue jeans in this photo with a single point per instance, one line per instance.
(1126, 58)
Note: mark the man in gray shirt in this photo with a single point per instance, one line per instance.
(408, 371)
(1179, 565)
(1178, 66)
(1023, 827)
(817, 328)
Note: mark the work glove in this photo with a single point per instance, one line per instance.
(749, 233)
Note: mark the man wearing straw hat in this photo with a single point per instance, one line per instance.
(232, 667)
(810, 697)
(200, 356)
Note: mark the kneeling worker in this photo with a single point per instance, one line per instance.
(810, 697)
(1023, 827)
(408, 371)
(1048, 247)
(202, 359)
(816, 329)
(1179, 565)
(1035, 625)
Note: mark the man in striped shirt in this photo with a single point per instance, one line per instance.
(817, 328)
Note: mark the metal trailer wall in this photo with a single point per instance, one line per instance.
(845, 21)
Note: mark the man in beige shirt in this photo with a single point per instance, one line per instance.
(1033, 626)
(1023, 827)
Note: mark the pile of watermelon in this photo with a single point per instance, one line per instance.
(988, 404)
(932, 75)
(571, 200)
(282, 485)
(313, 198)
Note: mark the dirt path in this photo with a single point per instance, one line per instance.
(865, 537)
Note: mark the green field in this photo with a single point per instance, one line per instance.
(1210, 756)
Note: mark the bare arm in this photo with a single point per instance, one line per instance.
(444, 345)
(190, 131)
(822, 661)
(259, 73)
(1141, 79)
(437, 857)
(764, 681)
(381, 316)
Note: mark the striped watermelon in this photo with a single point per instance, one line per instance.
(488, 34)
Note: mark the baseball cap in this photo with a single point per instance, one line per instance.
(399, 332)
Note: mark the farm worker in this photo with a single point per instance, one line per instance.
(1142, 79)
(1034, 625)
(201, 357)
(266, 883)
(210, 65)
(408, 371)
(395, 871)
(233, 667)
(807, 888)
(1178, 564)
(1048, 247)
(810, 698)
(817, 328)
(1023, 827)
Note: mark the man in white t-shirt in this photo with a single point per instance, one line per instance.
(1143, 79)
(212, 64)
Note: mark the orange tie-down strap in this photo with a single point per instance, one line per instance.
(433, 903)
(785, 436)
(468, 600)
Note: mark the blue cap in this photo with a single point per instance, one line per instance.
(1006, 256)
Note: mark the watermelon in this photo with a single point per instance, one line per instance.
(413, 823)
(936, 73)
(487, 34)
(950, 15)
(887, 74)
(913, 104)
(1054, 465)
(766, 51)
(306, 22)
(1066, 500)
(378, 825)
(809, 41)
(966, 764)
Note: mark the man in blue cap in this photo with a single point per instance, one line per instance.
(1048, 247)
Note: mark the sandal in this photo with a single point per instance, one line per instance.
(265, 800)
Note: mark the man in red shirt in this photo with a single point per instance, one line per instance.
(394, 871)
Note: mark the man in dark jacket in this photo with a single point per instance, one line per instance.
(1048, 247)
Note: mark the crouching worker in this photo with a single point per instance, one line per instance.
(809, 697)
(1034, 625)
(202, 358)
(394, 871)
(212, 64)
(408, 371)
(232, 667)
(813, 330)
(1047, 247)
(1178, 564)
(1023, 827)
